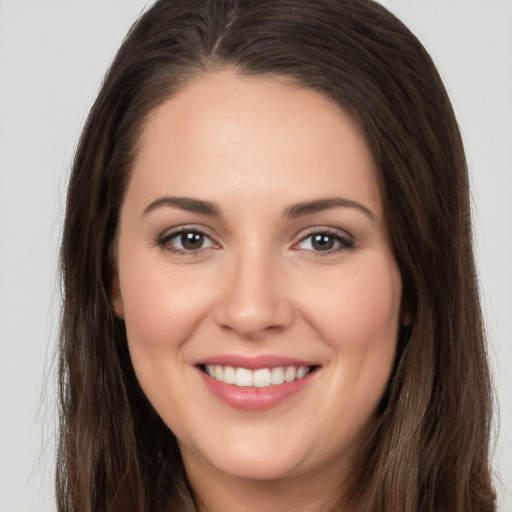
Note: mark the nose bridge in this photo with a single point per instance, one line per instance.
(253, 300)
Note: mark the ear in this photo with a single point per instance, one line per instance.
(405, 317)
(406, 313)
(117, 300)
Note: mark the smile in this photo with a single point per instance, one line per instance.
(260, 378)
(255, 383)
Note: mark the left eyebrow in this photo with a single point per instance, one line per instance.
(319, 205)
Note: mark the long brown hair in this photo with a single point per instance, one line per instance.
(429, 449)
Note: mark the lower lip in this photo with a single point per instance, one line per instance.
(252, 398)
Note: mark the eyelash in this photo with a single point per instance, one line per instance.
(345, 242)
(164, 242)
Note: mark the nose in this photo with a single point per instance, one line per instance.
(254, 298)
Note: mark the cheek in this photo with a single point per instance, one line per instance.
(361, 307)
(162, 311)
(161, 308)
(358, 315)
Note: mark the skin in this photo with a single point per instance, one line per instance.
(254, 147)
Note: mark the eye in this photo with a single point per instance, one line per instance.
(324, 241)
(186, 241)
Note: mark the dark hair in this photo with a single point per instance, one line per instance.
(429, 448)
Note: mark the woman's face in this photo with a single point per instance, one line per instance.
(252, 246)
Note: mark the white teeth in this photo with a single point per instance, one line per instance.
(301, 372)
(261, 378)
(277, 376)
(229, 375)
(243, 377)
(290, 374)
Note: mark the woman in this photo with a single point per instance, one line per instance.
(270, 295)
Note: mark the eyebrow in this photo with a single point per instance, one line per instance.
(319, 205)
(292, 212)
(185, 203)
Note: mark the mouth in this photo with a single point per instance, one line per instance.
(255, 383)
(259, 378)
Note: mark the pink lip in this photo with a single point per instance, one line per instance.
(254, 363)
(252, 398)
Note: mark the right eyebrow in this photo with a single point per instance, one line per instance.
(184, 203)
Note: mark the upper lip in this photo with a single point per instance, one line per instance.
(253, 362)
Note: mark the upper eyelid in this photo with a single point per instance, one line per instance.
(302, 235)
(170, 232)
(346, 240)
(342, 233)
(164, 242)
(175, 234)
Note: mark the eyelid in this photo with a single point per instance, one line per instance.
(346, 240)
(198, 228)
(167, 235)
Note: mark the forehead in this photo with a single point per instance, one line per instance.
(257, 134)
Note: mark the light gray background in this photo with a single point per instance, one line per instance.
(53, 54)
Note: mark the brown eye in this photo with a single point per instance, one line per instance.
(322, 242)
(191, 240)
(186, 241)
(325, 242)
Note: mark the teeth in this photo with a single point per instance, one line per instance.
(261, 378)
(301, 372)
(277, 376)
(289, 374)
(243, 377)
(229, 375)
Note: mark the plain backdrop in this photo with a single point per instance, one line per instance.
(53, 54)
